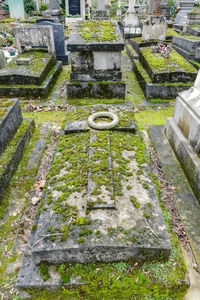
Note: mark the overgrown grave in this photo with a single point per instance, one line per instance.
(100, 205)
(32, 73)
(95, 55)
(161, 74)
(14, 135)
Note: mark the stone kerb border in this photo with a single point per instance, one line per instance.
(103, 126)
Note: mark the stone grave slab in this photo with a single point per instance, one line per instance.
(10, 119)
(29, 80)
(59, 40)
(123, 220)
(193, 30)
(95, 60)
(177, 69)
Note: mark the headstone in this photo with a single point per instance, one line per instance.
(38, 21)
(54, 11)
(34, 36)
(102, 12)
(185, 7)
(75, 7)
(154, 28)
(59, 40)
(16, 8)
(2, 60)
(183, 133)
(131, 22)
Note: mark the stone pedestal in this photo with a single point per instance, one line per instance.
(154, 28)
(95, 61)
(183, 133)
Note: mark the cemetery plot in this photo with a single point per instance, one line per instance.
(30, 74)
(95, 61)
(187, 46)
(159, 76)
(14, 135)
(121, 221)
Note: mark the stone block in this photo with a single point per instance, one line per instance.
(10, 120)
(76, 90)
(23, 61)
(34, 36)
(107, 60)
(189, 45)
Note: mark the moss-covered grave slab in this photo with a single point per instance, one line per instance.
(10, 119)
(165, 90)
(194, 30)
(100, 204)
(29, 80)
(162, 69)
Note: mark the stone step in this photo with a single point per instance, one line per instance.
(32, 91)
(11, 156)
(10, 119)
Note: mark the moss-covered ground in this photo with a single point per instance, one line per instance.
(163, 280)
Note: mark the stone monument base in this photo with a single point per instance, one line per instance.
(102, 89)
(183, 134)
(101, 15)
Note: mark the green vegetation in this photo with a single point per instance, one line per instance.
(159, 63)
(100, 31)
(135, 202)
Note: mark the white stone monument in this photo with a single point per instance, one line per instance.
(183, 133)
(131, 21)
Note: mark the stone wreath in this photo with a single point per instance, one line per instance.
(105, 125)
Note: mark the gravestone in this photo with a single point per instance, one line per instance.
(131, 22)
(183, 133)
(59, 40)
(16, 8)
(2, 60)
(154, 28)
(107, 221)
(54, 11)
(181, 17)
(101, 12)
(34, 36)
(75, 7)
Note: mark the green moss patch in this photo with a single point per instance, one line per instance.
(159, 63)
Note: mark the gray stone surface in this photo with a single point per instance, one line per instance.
(32, 91)
(9, 121)
(23, 61)
(76, 43)
(53, 4)
(186, 202)
(193, 18)
(109, 90)
(59, 40)
(15, 157)
(34, 36)
(107, 247)
(131, 21)
(2, 60)
(183, 133)
(154, 28)
(193, 30)
(189, 45)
